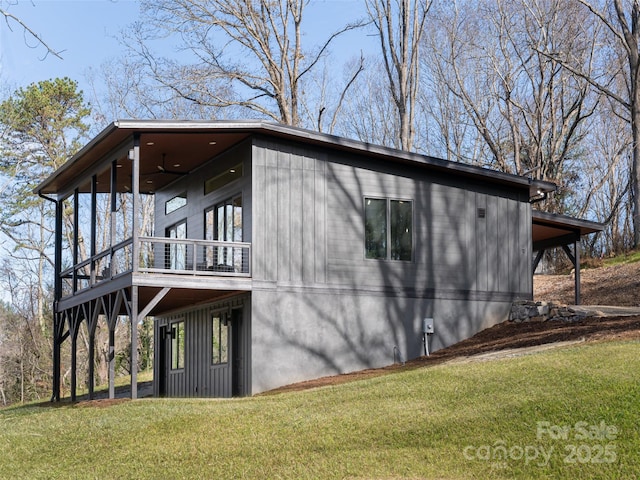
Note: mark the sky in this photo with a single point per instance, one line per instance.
(86, 33)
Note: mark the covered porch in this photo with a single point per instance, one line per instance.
(550, 230)
(110, 266)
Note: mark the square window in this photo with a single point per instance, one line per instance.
(388, 226)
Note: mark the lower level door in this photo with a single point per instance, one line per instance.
(237, 354)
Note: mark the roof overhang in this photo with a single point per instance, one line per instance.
(554, 230)
(192, 143)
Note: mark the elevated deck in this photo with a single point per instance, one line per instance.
(182, 271)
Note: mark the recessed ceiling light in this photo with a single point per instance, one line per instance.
(118, 165)
(176, 165)
(233, 170)
(150, 143)
(212, 142)
(149, 181)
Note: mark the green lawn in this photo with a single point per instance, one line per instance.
(569, 413)
(629, 257)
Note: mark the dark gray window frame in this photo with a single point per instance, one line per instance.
(215, 233)
(221, 356)
(388, 229)
(176, 253)
(221, 180)
(170, 205)
(177, 360)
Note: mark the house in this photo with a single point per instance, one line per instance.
(277, 255)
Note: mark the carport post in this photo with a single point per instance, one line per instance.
(576, 259)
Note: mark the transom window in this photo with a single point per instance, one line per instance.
(175, 203)
(177, 345)
(388, 229)
(219, 338)
(214, 183)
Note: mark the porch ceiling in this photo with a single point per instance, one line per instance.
(189, 144)
(164, 157)
(553, 230)
(179, 298)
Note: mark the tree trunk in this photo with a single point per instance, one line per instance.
(635, 173)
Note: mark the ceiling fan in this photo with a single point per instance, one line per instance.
(163, 169)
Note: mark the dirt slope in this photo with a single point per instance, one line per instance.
(618, 285)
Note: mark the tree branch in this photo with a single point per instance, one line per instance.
(9, 16)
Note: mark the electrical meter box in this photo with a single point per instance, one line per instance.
(427, 326)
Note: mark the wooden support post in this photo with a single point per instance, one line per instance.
(113, 225)
(536, 261)
(115, 305)
(134, 342)
(76, 236)
(93, 323)
(112, 359)
(74, 359)
(575, 260)
(133, 313)
(58, 318)
(93, 233)
(576, 254)
(92, 360)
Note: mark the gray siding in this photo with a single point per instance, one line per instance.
(320, 308)
(455, 249)
(199, 378)
(317, 306)
(289, 204)
(309, 227)
(197, 202)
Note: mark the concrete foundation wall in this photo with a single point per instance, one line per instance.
(302, 334)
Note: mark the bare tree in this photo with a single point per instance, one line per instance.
(606, 182)
(326, 106)
(239, 55)
(131, 93)
(369, 115)
(457, 136)
(399, 26)
(621, 19)
(25, 356)
(530, 112)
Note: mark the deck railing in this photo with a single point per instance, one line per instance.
(195, 257)
(160, 255)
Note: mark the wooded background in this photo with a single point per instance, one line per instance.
(541, 88)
